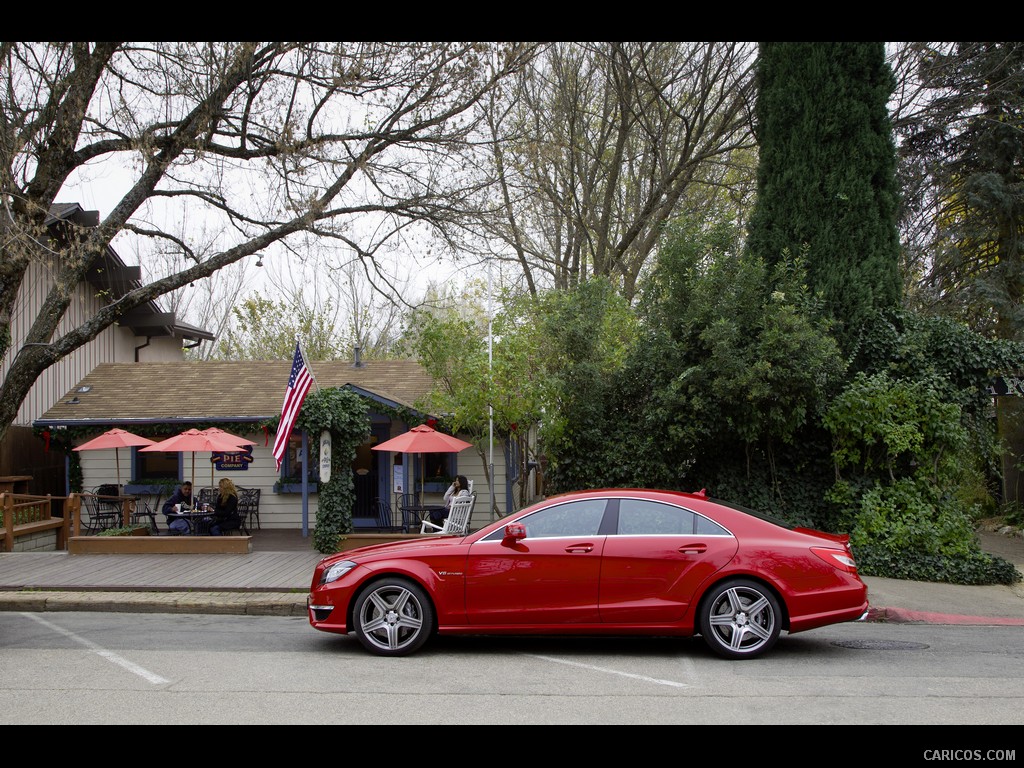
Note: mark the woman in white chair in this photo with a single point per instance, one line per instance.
(459, 487)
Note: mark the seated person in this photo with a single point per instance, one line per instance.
(183, 496)
(459, 487)
(225, 509)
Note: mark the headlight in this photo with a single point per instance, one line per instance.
(336, 571)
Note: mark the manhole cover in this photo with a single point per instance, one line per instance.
(880, 645)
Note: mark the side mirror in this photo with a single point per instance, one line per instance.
(515, 532)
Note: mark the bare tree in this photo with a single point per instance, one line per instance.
(328, 301)
(261, 142)
(597, 145)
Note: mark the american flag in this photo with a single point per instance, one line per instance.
(299, 383)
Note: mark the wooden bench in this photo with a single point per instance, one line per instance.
(25, 515)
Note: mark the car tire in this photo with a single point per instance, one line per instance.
(393, 617)
(740, 619)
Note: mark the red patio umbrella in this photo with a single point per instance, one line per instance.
(196, 440)
(116, 439)
(241, 441)
(423, 439)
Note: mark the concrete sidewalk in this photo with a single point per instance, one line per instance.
(280, 581)
(928, 602)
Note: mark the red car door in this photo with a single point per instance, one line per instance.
(660, 556)
(551, 577)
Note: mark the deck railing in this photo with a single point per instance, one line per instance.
(25, 514)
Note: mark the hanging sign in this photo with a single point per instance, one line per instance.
(325, 456)
(232, 461)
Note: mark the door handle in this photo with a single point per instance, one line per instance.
(693, 549)
(580, 548)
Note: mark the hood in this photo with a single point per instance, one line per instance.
(431, 542)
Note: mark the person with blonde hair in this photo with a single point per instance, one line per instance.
(225, 509)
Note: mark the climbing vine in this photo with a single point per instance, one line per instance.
(346, 416)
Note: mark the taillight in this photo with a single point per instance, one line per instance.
(837, 558)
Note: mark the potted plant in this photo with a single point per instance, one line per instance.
(292, 484)
(437, 484)
(135, 529)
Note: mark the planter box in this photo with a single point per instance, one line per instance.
(160, 545)
(294, 488)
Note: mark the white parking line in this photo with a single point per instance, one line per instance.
(643, 678)
(110, 656)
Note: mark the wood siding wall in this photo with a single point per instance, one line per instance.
(112, 345)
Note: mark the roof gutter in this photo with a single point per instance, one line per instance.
(142, 346)
(108, 420)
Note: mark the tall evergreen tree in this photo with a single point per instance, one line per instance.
(969, 138)
(966, 139)
(827, 175)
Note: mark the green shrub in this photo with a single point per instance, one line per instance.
(124, 530)
(975, 568)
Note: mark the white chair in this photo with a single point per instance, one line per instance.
(457, 521)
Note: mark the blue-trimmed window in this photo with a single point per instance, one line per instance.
(291, 466)
(150, 465)
(439, 467)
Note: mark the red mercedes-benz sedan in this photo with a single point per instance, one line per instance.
(599, 562)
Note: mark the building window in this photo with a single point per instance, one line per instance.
(439, 467)
(150, 465)
(291, 467)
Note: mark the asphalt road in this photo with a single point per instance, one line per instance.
(103, 668)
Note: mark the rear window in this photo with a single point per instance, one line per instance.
(754, 513)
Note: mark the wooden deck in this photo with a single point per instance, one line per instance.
(280, 561)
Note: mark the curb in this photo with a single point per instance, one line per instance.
(227, 603)
(904, 616)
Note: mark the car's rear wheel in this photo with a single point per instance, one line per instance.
(393, 617)
(740, 619)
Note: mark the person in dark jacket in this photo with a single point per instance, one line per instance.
(225, 510)
(182, 495)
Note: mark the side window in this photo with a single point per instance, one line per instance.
(638, 517)
(707, 527)
(650, 518)
(576, 518)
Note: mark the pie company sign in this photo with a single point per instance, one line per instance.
(232, 461)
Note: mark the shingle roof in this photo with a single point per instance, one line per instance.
(220, 391)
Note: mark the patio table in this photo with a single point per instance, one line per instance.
(198, 521)
(413, 515)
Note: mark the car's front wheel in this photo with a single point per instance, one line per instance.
(740, 619)
(393, 617)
